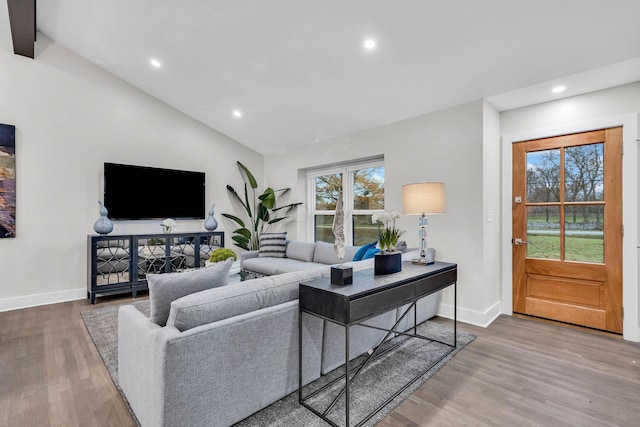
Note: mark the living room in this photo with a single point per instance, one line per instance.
(72, 116)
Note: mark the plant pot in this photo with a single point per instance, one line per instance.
(387, 263)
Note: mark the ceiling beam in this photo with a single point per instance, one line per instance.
(22, 17)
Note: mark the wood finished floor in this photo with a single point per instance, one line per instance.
(518, 372)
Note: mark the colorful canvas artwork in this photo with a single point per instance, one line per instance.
(7, 181)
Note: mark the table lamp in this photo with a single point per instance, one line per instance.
(423, 198)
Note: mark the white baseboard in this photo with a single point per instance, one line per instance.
(16, 303)
(472, 317)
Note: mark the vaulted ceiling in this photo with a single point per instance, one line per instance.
(298, 72)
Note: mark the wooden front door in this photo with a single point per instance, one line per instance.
(567, 228)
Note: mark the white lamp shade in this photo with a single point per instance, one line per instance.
(423, 198)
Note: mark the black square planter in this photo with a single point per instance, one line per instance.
(387, 263)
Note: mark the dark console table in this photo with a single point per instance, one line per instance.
(119, 263)
(367, 297)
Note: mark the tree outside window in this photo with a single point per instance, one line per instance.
(363, 192)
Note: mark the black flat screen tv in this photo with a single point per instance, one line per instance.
(140, 192)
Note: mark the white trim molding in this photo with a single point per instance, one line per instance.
(35, 300)
(630, 161)
(472, 317)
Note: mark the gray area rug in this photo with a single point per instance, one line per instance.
(379, 380)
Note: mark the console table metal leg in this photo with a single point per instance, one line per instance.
(346, 376)
(299, 356)
(455, 314)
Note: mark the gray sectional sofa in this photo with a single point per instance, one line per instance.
(228, 352)
(299, 256)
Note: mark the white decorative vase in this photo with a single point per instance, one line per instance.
(103, 225)
(210, 223)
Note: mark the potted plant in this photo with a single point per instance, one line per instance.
(261, 211)
(223, 254)
(389, 260)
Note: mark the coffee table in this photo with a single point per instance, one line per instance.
(367, 297)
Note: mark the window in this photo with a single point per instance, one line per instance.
(362, 187)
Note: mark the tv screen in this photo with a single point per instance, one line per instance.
(139, 192)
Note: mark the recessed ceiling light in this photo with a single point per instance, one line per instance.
(237, 113)
(558, 89)
(370, 44)
(155, 63)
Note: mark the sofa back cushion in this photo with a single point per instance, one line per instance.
(167, 287)
(217, 304)
(301, 251)
(325, 254)
(273, 245)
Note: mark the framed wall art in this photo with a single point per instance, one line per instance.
(7, 181)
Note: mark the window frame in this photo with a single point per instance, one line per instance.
(348, 198)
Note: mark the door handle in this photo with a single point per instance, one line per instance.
(519, 242)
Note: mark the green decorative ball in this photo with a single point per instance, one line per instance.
(222, 254)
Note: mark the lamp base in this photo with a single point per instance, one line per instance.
(421, 261)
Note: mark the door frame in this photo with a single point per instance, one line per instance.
(630, 242)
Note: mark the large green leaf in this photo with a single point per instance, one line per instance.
(234, 218)
(244, 232)
(273, 221)
(268, 198)
(246, 198)
(231, 190)
(241, 241)
(252, 180)
(263, 213)
(289, 206)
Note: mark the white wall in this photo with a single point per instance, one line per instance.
(491, 237)
(606, 108)
(70, 118)
(442, 146)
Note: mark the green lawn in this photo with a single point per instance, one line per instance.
(577, 248)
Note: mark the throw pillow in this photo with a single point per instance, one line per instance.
(273, 245)
(359, 256)
(168, 287)
(370, 253)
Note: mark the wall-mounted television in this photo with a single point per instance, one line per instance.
(140, 192)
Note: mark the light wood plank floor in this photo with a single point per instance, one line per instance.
(517, 372)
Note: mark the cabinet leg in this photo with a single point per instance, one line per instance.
(93, 298)
(134, 292)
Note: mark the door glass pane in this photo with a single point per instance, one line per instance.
(327, 188)
(584, 233)
(543, 176)
(324, 228)
(368, 188)
(543, 232)
(584, 173)
(363, 230)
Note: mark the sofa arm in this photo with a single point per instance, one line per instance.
(248, 255)
(141, 355)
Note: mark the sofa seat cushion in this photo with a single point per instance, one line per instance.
(294, 265)
(221, 303)
(324, 253)
(272, 266)
(167, 287)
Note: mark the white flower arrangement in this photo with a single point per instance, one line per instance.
(167, 224)
(388, 234)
